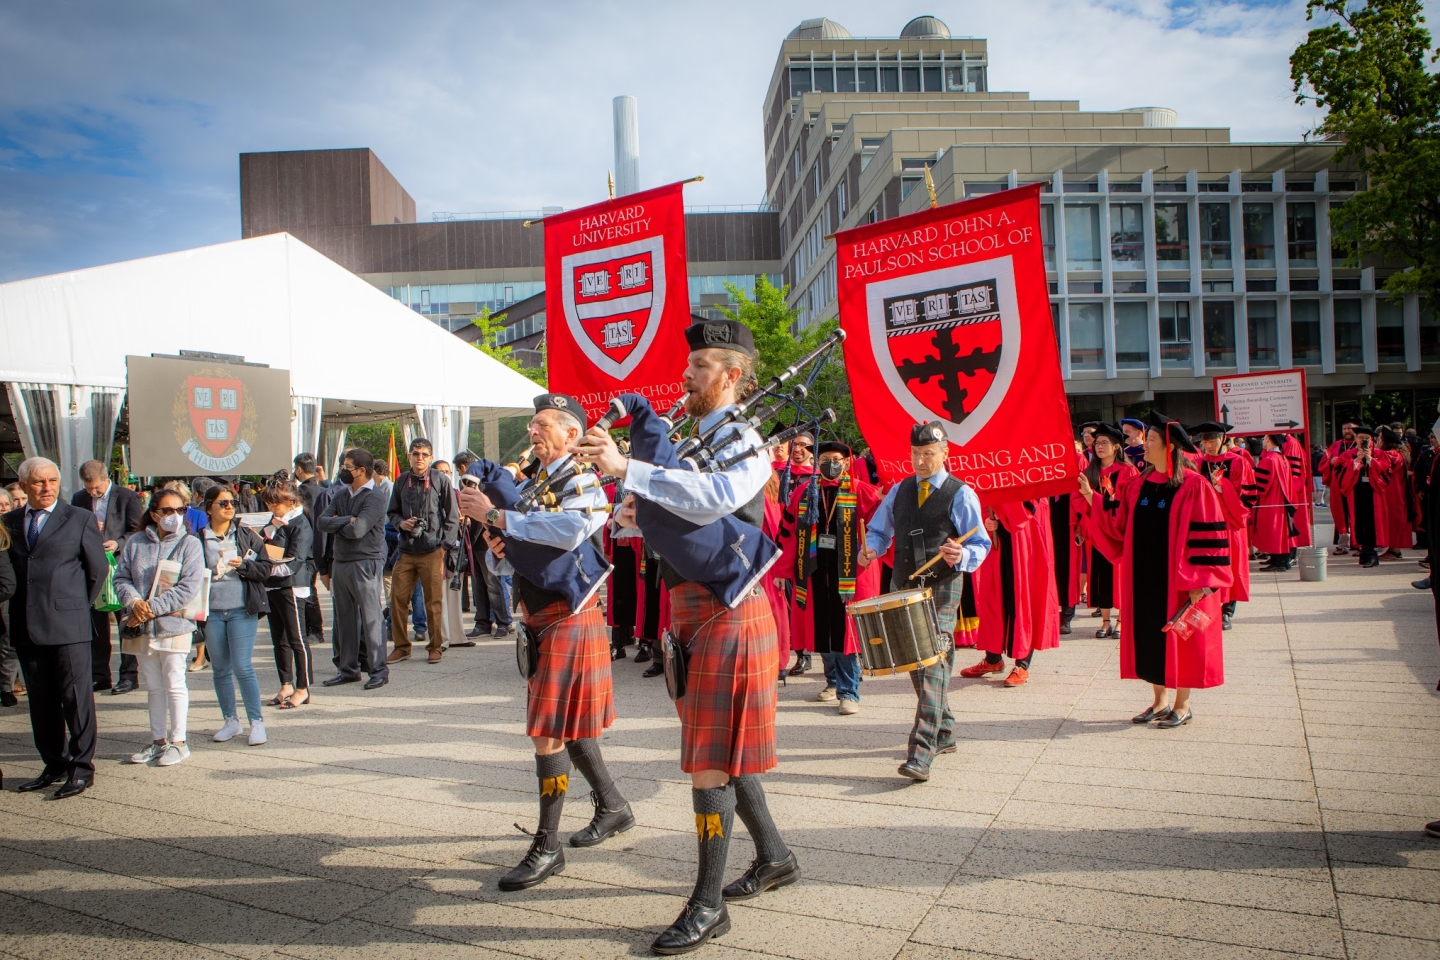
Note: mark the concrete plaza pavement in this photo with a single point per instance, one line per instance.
(1286, 820)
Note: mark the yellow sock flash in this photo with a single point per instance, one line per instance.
(554, 786)
(708, 825)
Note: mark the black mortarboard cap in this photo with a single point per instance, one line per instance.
(1209, 426)
(924, 434)
(1109, 431)
(1173, 431)
(722, 334)
(564, 403)
(1362, 428)
(835, 446)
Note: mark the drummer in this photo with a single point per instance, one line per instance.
(930, 510)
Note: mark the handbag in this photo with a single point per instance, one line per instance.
(677, 664)
(109, 600)
(147, 629)
(527, 651)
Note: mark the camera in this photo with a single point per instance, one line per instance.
(416, 530)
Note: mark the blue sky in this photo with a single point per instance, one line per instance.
(120, 124)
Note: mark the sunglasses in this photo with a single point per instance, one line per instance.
(167, 511)
(225, 503)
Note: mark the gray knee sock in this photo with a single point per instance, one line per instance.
(714, 817)
(755, 814)
(553, 771)
(586, 754)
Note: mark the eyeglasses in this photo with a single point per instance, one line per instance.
(225, 503)
(168, 511)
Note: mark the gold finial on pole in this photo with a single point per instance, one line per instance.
(610, 183)
(930, 187)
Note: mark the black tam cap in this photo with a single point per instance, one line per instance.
(1362, 428)
(924, 434)
(1209, 426)
(1089, 425)
(723, 334)
(835, 446)
(1391, 437)
(1110, 432)
(564, 404)
(1172, 430)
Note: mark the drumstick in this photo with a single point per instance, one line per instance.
(933, 560)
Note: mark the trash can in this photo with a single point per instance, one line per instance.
(1312, 562)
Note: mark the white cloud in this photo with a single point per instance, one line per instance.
(120, 125)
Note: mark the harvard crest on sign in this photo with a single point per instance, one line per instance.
(613, 298)
(947, 342)
(214, 424)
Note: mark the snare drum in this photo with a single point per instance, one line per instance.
(897, 631)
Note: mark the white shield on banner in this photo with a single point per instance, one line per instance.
(591, 312)
(947, 342)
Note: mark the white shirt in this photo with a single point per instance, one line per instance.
(566, 528)
(100, 505)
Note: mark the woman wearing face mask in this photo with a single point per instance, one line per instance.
(288, 541)
(165, 643)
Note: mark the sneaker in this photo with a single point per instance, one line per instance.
(826, 695)
(396, 656)
(173, 754)
(229, 731)
(257, 733)
(152, 752)
(848, 707)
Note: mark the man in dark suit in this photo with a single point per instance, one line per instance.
(117, 513)
(59, 570)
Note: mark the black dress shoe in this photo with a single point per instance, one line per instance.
(1150, 714)
(8, 699)
(1421, 584)
(604, 825)
(617, 653)
(696, 924)
(945, 745)
(479, 630)
(539, 863)
(915, 770)
(764, 876)
(1225, 622)
(1374, 562)
(124, 686)
(374, 683)
(1175, 719)
(802, 663)
(501, 632)
(101, 685)
(39, 783)
(655, 669)
(1065, 628)
(73, 788)
(643, 652)
(338, 679)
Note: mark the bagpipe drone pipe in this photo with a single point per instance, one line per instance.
(574, 574)
(727, 556)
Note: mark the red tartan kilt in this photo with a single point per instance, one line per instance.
(727, 716)
(571, 696)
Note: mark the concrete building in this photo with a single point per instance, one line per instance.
(1174, 254)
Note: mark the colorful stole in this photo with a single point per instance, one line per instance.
(807, 536)
(846, 505)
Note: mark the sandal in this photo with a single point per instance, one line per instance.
(278, 699)
(1105, 631)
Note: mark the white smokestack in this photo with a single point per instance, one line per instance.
(627, 146)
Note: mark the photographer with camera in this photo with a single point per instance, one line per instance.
(423, 509)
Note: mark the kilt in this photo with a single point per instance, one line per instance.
(570, 696)
(727, 716)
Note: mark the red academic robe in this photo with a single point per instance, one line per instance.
(1300, 486)
(1035, 624)
(1195, 514)
(1379, 474)
(1234, 481)
(1118, 473)
(1330, 472)
(1272, 518)
(1392, 506)
(775, 592)
(867, 579)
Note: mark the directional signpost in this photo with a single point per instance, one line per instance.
(1256, 403)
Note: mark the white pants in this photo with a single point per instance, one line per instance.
(164, 678)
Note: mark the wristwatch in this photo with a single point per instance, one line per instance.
(492, 516)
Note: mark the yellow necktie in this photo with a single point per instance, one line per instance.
(542, 475)
(924, 491)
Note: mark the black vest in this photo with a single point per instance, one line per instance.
(920, 531)
(537, 598)
(752, 513)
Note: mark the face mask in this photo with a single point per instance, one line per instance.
(831, 469)
(171, 523)
(346, 477)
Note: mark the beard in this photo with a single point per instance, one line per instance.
(699, 405)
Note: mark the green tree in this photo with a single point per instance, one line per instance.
(490, 326)
(1368, 70)
(777, 346)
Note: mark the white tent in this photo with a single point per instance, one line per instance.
(353, 352)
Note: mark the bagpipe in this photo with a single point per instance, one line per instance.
(574, 574)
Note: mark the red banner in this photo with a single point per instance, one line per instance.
(617, 299)
(947, 317)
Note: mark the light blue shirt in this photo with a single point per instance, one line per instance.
(566, 528)
(705, 497)
(964, 514)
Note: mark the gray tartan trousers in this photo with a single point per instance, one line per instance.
(934, 722)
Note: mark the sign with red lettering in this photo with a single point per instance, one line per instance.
(947, 317)
(617, 299)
